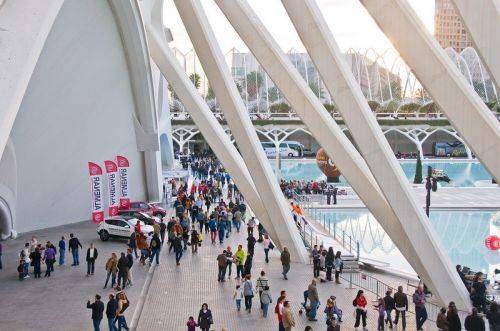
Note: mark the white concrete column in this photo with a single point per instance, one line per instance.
(410, 229)
(482, 19)
(319, 122)
(207, 124)
(222, 83)
(436, 72)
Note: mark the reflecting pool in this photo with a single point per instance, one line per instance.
(461, 173)
(462, 234)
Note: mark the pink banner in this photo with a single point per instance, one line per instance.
(123, 166)
(112, 173)
(95, 172)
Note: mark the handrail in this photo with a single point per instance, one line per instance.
(359, 279)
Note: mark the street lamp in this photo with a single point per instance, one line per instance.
(430, 184)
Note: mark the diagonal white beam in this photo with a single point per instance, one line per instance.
(207, 123)
(222, 83)
(412, 233)
(315, 117)
(441, 78)
(482, 19)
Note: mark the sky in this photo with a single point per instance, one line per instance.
(350, 23)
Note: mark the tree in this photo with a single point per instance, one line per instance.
(316, 89)
(418, 171)
(273, 94)
(254, 82)
(195, 79)
(172, 92)
(210, 94)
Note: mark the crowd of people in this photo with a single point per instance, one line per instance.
(291, 187)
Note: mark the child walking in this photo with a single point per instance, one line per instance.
(381, 314)
(191, 324)
(238, 295)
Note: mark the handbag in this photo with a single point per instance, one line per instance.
(271, 245)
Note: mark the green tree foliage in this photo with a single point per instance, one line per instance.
(195, 79)
(254, 83)
(418, 171)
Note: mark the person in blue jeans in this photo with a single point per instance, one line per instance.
(265, 300)
(97, 311)
(419, 300)
(62, 250)
(111, 308)
(73, 244)
(155, 246)
(222, 229)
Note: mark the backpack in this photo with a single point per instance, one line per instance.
(154, 243)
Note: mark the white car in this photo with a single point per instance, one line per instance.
(120, 227)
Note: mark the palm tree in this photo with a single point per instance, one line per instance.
(254, 82)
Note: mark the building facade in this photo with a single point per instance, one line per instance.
(449, 29)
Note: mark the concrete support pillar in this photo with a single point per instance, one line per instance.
(407, 226)
(436, 72)
(482, 19)
(208, 125)
(222, 83)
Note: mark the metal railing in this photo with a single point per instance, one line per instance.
(360, 279)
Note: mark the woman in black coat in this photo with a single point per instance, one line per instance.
(454, 323)
(329, 263)
(205, 318)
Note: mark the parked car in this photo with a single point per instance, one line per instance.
(141, 216)
(121, 227)
(148, 208)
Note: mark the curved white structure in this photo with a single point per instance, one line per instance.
(76, 86)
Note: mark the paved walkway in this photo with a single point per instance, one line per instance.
(59, 302)
(176, 292)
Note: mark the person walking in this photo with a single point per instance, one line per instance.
(261, 283)
(248, 292)
(493, 316)
(194, 240)
(288, 320)
(250, 226)
(123, 304)
(62, 250)
(130, 259)
(229, 259)
(265, 300)
(401, 306)
(132, 243)
(222, 264)
(380, 307)
(205, 318)
(237, 296)
(73, 245)
(285, 262)
(389, 307)
(312, 295)
(239, 260)
(91, 257)
(360, 304)
(111, 308)
(122, 270)
(111, 269)
(212, 224)
(178, 250)
(419, 300)
(441, 321)
(49, 256)
(97, 311)
(191, 324)
(474, 322)
(266, 243)
(155, 246)
(453, 319)
(251, 244)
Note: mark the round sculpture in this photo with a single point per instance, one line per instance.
(326, 165)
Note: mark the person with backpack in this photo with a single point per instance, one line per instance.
(360, 303)
(97, 311)
(73, 245)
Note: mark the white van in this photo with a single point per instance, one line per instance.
(287, 149)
